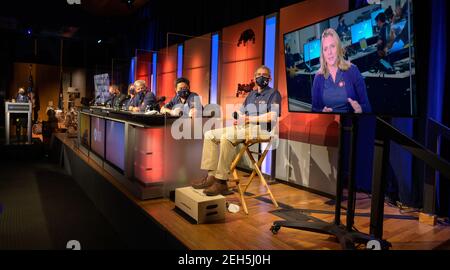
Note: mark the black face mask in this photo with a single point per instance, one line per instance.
(140, 95)
(183, 93)
(132, 91)
(262, 81)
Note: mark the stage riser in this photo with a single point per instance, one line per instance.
(136, 228)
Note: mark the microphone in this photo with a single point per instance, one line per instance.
(161, 99)
(94, 100)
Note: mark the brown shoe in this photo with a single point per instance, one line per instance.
(219, 187)
(206, 182)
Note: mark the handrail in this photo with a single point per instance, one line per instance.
(435, 131)
(415, 148)
(438, 128)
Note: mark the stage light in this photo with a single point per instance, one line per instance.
(99, 41)
(29, 31)
(129, 3)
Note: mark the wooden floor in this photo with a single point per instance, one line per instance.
(240, 231)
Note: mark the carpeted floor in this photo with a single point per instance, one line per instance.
(41, 207)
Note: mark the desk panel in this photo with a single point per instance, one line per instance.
(115, 143)
(98, 136)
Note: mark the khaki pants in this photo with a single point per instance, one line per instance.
(220, 147)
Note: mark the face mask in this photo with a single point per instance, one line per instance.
(132, 91)
(262, 81)
(183, 93)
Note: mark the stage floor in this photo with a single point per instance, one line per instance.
(252, 232)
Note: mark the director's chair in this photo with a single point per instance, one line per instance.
(242, 188)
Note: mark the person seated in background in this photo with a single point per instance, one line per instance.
(389, 13)
(184, 100)
(116, 98)
(20, 119)
(290, 61)
(384, 34)
(50, 126)
(338, 85)
(220, 146)
(145, 100)
(401, 12)
(342, 28)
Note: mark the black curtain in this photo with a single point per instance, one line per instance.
(444, 194)
(149, 27)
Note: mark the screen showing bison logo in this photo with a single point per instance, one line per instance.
(243, 89)
(246, 36)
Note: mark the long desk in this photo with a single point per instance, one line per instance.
(139, 149)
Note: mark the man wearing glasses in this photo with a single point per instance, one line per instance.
(260, 108)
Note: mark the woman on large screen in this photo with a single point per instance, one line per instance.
(338, 85)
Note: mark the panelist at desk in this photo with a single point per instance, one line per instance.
(184, 101)
(144, 98)
(116, 98)
(137, 149)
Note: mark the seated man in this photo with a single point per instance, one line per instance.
(144, 99)
(116, 98)
(383, 35)
(220, 145)
(131, 96)
(184, 99)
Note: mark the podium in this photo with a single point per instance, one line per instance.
(13, 107)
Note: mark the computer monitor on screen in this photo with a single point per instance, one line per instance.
(361, 30)
(311, 50)
(401, 36)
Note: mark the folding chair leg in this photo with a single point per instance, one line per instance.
(256, 171)
(263, 180)
(235, 175)
(241, 197)
(237, 159)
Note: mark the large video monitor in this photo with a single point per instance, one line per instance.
(377, 74)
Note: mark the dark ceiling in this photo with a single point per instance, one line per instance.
(90, 19)
(32, 29)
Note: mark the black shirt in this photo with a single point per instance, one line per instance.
(264, 102)
(383, 35)
(192, 101)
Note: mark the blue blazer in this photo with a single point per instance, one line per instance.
(354, 85)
